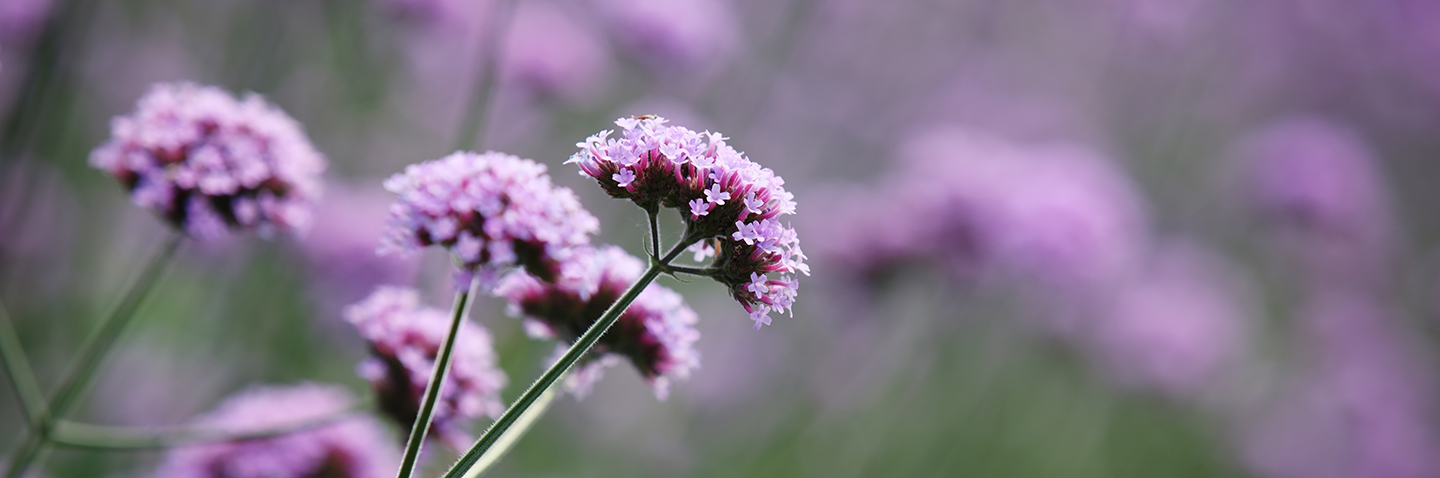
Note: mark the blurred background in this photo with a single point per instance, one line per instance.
(1097, 238)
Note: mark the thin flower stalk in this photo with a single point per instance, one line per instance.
(17, 367)
(100, 437)
(437, 378)
(91, 355)
(553, 375)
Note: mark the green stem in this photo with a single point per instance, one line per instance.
(695, 271)
(486, 77)
(654, 211)
(527, 420)
(111, 438)
(91, 355)
(437, 381)
(27, 389)
(571, 356)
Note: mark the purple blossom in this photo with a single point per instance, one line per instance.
(207, 162)
(1177, 326)
(656, 333)
(340, 248)
(492, 210)
(352, 447)
(671, 33)
(1055, 214)
(19, 19)
(549, 52)
(404, 339)
(699, 208)
(1319, 182)
(674, 167)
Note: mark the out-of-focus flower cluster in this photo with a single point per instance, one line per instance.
(405, 339)
(492, 210)
(721, 194)
(347, 447)
(656, 333)
(208, 163)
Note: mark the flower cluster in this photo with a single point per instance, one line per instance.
(207, 162)
(727, 201)
(491, 210)
(656, 333)
(405, 338)
(352, 447)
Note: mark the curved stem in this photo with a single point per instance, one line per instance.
(694, 271)
(437, 381)
(111, 438)
(17, 367)
(552, 375)
(91, 355)
(486, 76)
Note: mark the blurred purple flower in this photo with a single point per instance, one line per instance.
(671, 166)
(671, 33)
(656, 333)
(1319, 182)
(1364, 408)
(340, 246)
(550, 53)
(352, 447)
(1057, 214)
(1177, 326)
(20, 19)
(492, 210)
(405, 338)
(207, 163)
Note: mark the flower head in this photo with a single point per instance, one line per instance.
(404, 339)
(656, 333)
(351, 447)
(207, 162)
(700, 175)
(492, 210)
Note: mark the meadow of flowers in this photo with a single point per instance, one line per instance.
(275, 239)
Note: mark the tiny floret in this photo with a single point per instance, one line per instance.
(624, 177)
(493, 211)
(351, 447)
(404, 339)
(700, 175)
(208, 163)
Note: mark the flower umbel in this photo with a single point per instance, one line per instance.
(207, 162)
(656, 333)
(721, 194)
(491, 210)
(404, 339)
(353, 447)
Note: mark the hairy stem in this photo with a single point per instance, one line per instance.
(91, 355)
(22, 378)
(110, 438)
(527, 420)
(486, 76)
(437, 381)
(571, 356)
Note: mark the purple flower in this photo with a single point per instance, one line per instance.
(1177, 326)
(1058, 215)
(674, 167)
(207, 162)
(340, 247)
(551, 53)
(404, 339)
(1319, 182)
(352, 447)
(492, 210)
(671, 33)
(656, 333)
(19, 19)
